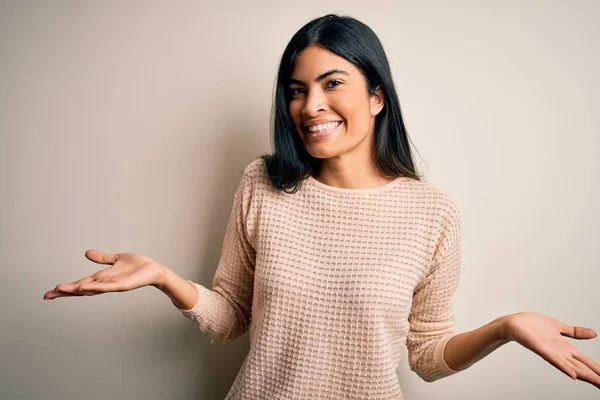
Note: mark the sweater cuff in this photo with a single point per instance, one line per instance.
(439, 355)
(200, 303)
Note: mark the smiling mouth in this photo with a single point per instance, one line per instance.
(322, 130)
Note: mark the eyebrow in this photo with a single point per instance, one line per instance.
(320, 77)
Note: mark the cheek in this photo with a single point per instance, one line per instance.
(295, 111)
(356, 113)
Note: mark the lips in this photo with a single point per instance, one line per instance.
(321, 126)
(323, 133)
(314, 122)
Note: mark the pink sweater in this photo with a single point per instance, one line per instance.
(331, 283)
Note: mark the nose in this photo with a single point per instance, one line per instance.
(315, 102)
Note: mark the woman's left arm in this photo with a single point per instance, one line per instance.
(537, 332)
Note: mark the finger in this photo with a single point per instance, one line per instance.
(81, 291)
(584, 373)
(103, 287)
(84, 291)
(562, 364)
(594, 366)
(53, 294)
(577, 332)
(100, 257)
(85, 280)
(104, 274)
(73, 286)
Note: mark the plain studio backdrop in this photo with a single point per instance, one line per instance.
(125, 125)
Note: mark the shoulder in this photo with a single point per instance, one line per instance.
(255, 173)
(438, 202)
(255, 168)
(254, 177)
(432, 196)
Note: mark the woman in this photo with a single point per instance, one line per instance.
(336, 253)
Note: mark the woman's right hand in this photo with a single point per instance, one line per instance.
(127, 271)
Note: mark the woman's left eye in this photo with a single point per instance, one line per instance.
(334, 81)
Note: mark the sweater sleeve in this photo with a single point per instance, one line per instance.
(431, 318)
(225, 311)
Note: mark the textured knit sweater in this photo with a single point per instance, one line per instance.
(331, 283)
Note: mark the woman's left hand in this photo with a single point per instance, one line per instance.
(543, 335)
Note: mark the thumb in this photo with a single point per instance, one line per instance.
(100, 257)
(578, 332)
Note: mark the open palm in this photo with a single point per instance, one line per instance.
(127, 271)
(544, 335)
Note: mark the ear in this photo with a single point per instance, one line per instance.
(377, 101)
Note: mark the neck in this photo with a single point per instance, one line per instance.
(350, 174)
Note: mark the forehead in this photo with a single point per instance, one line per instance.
(314, 60)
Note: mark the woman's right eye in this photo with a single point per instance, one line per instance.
(295, 91)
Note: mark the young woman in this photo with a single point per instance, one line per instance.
(336, 254)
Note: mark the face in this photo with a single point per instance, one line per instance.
(330, 105)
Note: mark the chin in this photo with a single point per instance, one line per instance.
(323, 153)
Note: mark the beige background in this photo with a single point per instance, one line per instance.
(124, 126)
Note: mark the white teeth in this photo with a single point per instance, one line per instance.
(323, 127)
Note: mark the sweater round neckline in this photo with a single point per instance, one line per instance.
(376, 189)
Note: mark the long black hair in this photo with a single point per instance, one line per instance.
(351, 39)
